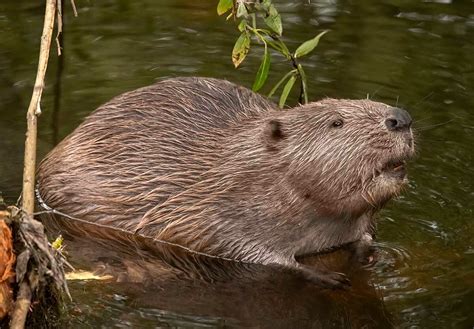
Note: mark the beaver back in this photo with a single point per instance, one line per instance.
(142, 147)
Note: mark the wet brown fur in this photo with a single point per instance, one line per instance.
(216, 168)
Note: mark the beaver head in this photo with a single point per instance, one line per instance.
(346, 156)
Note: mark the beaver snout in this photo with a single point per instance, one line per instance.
(398, 120)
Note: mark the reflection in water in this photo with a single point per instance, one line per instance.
(157, 276)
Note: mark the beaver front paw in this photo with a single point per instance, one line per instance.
(363, 251)
(325, 279)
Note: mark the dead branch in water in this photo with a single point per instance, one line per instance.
(36, 250)
(23, 302)
(39, 268)
(34, 110)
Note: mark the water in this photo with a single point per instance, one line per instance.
(417, 54)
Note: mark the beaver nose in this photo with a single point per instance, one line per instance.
(398, 119)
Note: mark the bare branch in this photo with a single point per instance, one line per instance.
(34, 110)
(60, 25)
(74, 8)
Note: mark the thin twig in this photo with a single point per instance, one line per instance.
(23, 300)
(34, 110)
(74, 8)
(60, 25)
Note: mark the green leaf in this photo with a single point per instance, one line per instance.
(273, 20)
(58, 243)
(242, 10)
(286, 91)
(223, 6)
(275, 88)
(262, 72)
(266, 4)
(242, 25)
(303, 83)
(308, 46)
(241, 48)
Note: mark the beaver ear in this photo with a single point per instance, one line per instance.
(274, 131)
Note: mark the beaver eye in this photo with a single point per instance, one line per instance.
(337, 123)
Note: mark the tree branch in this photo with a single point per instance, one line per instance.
(34, 110)
(23, 300)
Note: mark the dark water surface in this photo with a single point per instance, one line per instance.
(417, 54)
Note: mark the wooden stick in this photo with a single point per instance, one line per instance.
(23, 300)
(34, 110)
(74, 8)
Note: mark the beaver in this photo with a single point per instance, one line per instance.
(215, 168)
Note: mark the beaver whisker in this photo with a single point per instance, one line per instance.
(422, 100)
(434, 126)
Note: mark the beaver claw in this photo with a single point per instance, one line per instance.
(326, 279)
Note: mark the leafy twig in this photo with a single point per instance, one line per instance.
(246, 12)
